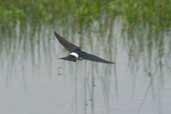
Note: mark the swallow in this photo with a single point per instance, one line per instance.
(75, 52)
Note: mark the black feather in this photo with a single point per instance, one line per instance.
(67, 45)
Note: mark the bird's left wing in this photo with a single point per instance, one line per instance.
(69, 46)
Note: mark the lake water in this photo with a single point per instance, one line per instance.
(34, 81)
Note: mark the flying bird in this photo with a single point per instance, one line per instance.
(75, 53)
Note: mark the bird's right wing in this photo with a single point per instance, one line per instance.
(95, 58)
(69, 46)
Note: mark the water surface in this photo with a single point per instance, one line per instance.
(34, 81)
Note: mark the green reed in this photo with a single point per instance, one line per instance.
(155, 13)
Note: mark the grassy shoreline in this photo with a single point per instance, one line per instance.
(155, 13)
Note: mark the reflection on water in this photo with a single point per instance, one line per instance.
(33, 80)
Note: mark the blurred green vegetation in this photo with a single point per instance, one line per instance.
(156, 13)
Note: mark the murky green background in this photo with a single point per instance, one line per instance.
(34, 81)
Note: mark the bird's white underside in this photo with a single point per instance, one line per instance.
(74, 54)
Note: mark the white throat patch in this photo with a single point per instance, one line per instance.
(74, 54)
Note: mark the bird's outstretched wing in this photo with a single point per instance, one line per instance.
(95, 58)
(69, 46)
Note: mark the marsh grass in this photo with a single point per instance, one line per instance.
(155, 13)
